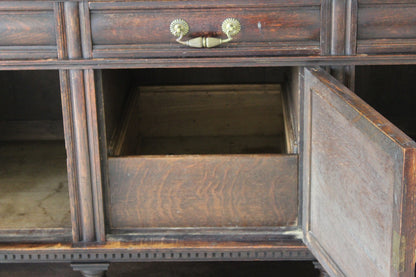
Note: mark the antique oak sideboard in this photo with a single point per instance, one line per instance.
(209, 130)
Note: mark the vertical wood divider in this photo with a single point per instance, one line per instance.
(343, 33)
(351, 40)
(68, 123)
(80, 113)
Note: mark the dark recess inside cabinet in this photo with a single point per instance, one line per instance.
(194, 111)
(34, 200)
(391, 90)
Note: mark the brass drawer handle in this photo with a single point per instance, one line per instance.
(179, 28)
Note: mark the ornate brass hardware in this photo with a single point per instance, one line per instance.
(179, 28)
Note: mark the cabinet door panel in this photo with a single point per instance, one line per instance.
(359, 183)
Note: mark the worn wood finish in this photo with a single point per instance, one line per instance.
(268, 29)
(96, 154)
(86, 147)
(386, 27)
(202, 119)
(357, 159)
(146, 250)
(203, 191)
(224, 62)
(27, 30)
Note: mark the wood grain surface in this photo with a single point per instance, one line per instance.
(128, 31)
(200, 119)
(203, 191)
(27, 30)
(361, 168)
(386, 27)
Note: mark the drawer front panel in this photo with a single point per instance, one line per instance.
(203, 191)
(27, 30)
(386, 27)
(266, 30)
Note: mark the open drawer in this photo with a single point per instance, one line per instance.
(356, 170)
(186, 155)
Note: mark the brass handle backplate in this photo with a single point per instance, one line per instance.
(179, 28)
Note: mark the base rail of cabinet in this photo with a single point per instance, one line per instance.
(293, 250)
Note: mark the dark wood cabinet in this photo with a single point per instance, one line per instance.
(119, 144)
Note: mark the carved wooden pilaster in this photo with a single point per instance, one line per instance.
(80, 120)
(343, 37)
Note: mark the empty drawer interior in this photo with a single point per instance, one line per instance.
(33, 175)
(214, 113)
(199, 148)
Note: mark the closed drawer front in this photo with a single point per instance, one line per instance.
(141, 29)
(27, 30)
(386, 26)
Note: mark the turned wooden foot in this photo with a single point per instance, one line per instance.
(91, 270)
(322, 271)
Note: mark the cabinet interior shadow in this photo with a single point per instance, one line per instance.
(391, 90)
(194, 111)
(33, 172)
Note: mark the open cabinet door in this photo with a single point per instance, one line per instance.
(358, 183)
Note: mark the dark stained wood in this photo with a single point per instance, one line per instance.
(224, 62)
(85, 30)
(27, 30)
(58, 35)
(357, 159)
(325, 32)
(145, 33)
(72, 30)
(82, 155)
(30, 28)
(192, 4)
(96, 160)
(113, 87)
(145, 251)
(83, 187)
(386, 27)
(389, 21)
(60, 27)
(338, 35)
(70, 152)
(212, 190)
(85, 136)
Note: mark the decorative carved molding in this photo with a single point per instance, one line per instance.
(93, 255)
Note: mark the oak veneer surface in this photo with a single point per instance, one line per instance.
(360, 197)
(33, 186)
(203, 191)
(141, 28)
